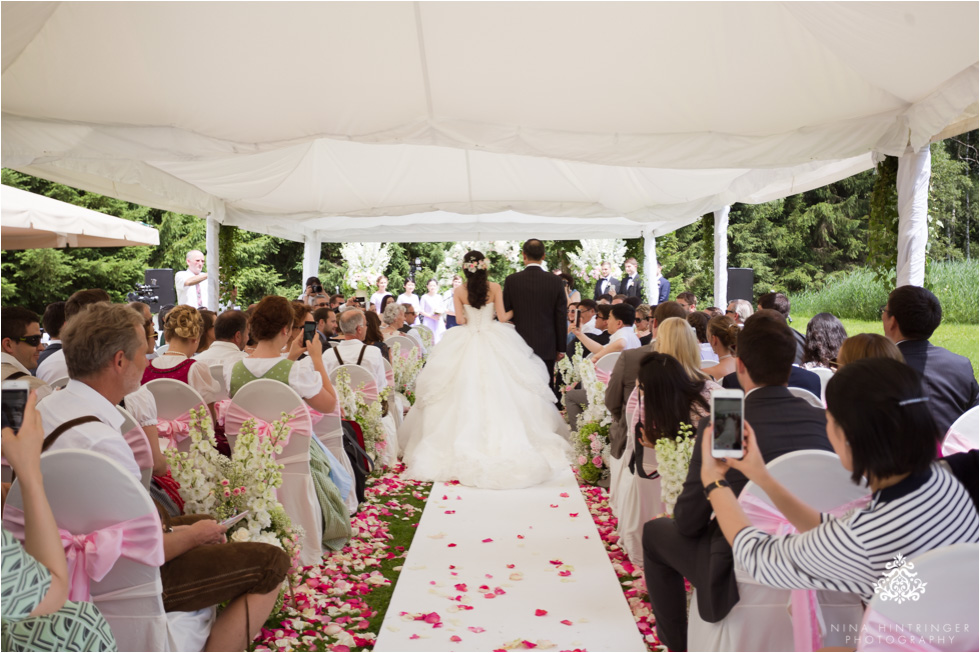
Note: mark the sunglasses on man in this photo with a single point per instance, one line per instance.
(33, 341)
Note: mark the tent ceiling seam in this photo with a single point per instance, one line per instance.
(423, 60)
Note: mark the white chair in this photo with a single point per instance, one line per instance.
(130, 596)
(139, 443)
(218, 374)
(58, 384)
(162, 349)
(825, 375)
(811, 398)
(330, 432)
(424, 333)
(395, 399)
(266, 400)
(818, 479)
(406, 343)
(608, 362)
(174, 402)
(949, 598)
(360, 378)
(964, 433)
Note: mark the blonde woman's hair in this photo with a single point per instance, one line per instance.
(184, 322)
(867, 345)
(675, 337)
(725, 329)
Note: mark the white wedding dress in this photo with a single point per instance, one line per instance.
(484, 414)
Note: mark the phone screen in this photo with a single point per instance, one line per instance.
(309, 330)
(13, 407)
(728, 423)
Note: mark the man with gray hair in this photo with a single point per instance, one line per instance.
(352, 350)
(105, 350)
(189, 283)
(739, 310)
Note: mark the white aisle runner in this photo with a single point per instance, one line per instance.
(491, 568)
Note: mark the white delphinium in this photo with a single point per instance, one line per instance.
(367, 414)
(673, 461)
(595, 391)
(406, 369)
(586, 261)
(365, 263)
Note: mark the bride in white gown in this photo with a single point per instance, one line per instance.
(484, 414)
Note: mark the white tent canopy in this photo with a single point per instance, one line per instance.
(32, 221)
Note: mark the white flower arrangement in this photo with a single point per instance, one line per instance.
(509, 250)
(568, 367)
(368, 415)
(406, 370)
(586, 261)
(365, 263)
(673, 461)
(595, 390)
(425, 334)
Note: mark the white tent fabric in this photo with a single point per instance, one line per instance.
(32, 221)
(272, 116)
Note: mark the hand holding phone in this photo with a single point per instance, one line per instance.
(14, 401)
(309, 331)
(578, 318)
(727, 420)
(231, 521)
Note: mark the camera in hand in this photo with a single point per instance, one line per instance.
(316, 288)
(143, 293)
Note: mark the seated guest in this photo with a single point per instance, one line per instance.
(867, 345)
(142, 405)
(182, 331)
(570, 316)
(352, 350)
(909, 319)
(385, 301)
(739, 310)
(207, 333)
(633, 301)
(621, 334)
(230, 336)
(689, 545)
(573, 295)
(21, 345)
(623, 378)
(336, 301)
(713, 311)
(618, 298)
(320, 300)
(588, 324)
(53, 319)
(642, 325)
(676, 339)
(881, 427)
(393, 318)
(410, 315)
(699, 322)
(779, 302)
(670, 397)
(604, 298)
(35, 573)
(373, 335)
(688, 301)
(824, 336)
(722, 335)
(798, 377)
(326, 326)
(54, 367)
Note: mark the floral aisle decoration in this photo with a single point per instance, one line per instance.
(365, 263)
(595, 391)
(368, 415)
(221, 487)
(426, 336)
(673, 460)
(568, 368)
(588, 257)
(406, 369)
(592, 452)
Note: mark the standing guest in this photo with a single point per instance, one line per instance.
(394, 320)
(432, 308)
(373, 335)
(447, 299)
(824, 336)
(191, 289)
(379, 295)
(353, 350)
(21, 344)
(632, 285)
(53, 320)
(618, 299)
(230, 337)
(909, 318)
(867, 345)
(606, 284)
(385, 301)
(739, 310)
(54, 366)
(182, 331)
(722, 335)
(779, 302)
(409, 316)
(320, 300)
(313, 288)
(713, 311)
(663, 285)
(409, 297)
(336, 301)
(570, 292)
(207, 334)
(644, 316)
(688, 301)
(699, 322)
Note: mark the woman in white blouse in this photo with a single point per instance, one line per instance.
(182, 331)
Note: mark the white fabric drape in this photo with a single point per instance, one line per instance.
(650, 267)
(213, 227)
(721, 257)
(913, 216)
(311, 257)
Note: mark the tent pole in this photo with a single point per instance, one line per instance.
(914, 169)
(650, 265)
(311, 257)
(211, 245)
(721, 257)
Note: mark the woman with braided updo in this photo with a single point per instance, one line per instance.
(722, 334)
(183, 330)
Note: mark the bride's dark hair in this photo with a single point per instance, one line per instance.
(477, 286)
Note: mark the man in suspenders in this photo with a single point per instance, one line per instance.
(352, 350)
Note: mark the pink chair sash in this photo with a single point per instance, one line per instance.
(889, 636)
(390, 377)
(807, 619)
(634, 407)
(405, 353)
(92, 555)
(140, 444)
(370, 392)
(956, 443)
(176, 429)
(603, 375)
(233, 416)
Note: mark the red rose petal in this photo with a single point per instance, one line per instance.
(566, 622)
(489, 539)
(451, 545)
(540, 613)
(455, 638)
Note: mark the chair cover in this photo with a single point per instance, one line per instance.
(174, 403)
(948, 599)
(825, 375)
(606, 364)
(58, 384)
(407, 345)
(139, 443)
(964, 433)
(708, 363)
(618, 466)
(811, 398)
(218, 374)
(395, 405)
(129, 595)
(638, 498)
(818, 479)
(330, 432)
(265, 400)
(361, 380)
(162, 349)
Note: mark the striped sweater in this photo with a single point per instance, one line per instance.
(918, 514)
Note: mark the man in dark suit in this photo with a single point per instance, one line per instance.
(606, 284)
(53, 320)
(539, 304)
(663, 285)
(779, 302)
(690, 545)
(632, 284)
(909, 318)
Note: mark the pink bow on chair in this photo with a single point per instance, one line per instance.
(369, 391)
(603, 375)
(405, 353)
(178, 428)
(634, 408)
(140, 444)
(233, 416)
(92, 555)
(956, 442)
(390, 377)
(807, 620)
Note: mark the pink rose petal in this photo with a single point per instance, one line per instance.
(566, 622)
(414, 637)
(455, 638)
(489, 539)
(573, 514)
(476, 629)
(540, 613)
(450, 512)
(451, 545)
(461, 587)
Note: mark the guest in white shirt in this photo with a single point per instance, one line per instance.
(54, 367)
(190, 283)
(105, 349)
(409, 297)
(230, 336)
(353, 326)
(377, 297)
(21, 345)
(620, 328)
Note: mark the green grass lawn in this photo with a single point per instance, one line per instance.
(962, 339)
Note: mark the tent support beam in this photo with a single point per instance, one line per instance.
(311, 257)
(211, 244)
(914, 169)
(650, 266)
(721, 257)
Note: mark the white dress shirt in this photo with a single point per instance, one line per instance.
(221, 353)
(590, 329)
(11, 365)
(628, 335)
(305, 380)
(53, 367)
(104, 436)
(349, 351)
(189, 294)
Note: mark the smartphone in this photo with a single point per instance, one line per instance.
(309, 331)
(578, 318)
(727, 412)
(231, 521)
(14, 399)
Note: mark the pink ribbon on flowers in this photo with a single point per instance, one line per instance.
(92, 555)
(896, 638)
(178, 428)
(603, 375)
(405, 353)
(140, 444)
(806, 609)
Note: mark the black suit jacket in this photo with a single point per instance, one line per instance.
(635, 290)
(947, 379)
(783, 424)
(540, 307)
(800, 344)
(613, 288)
(798, 378)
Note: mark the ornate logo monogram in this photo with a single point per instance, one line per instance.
(900, 584)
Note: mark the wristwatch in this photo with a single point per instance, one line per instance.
(711, 486)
